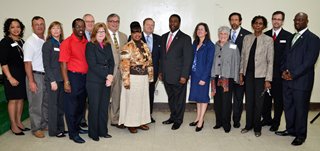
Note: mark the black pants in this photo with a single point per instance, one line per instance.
(177, 101)
(277, 96)
(296, 108)
(74, 102)
(99, 99)
(223, 105)
(254, 101)
(238, 93)
(152, 88)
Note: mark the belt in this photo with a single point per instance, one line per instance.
(81, 73)
(38, 72)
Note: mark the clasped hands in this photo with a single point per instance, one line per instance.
(286, 75)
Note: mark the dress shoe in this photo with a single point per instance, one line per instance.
(266, 123)
(83, 125)
(61, 134)
(82, 131)
(283, 133)
(298, 141)
(132, 129)
(193, 123)
(273, 128)
(24, 129)
(78, 139)
(226, 130)
(121, 126)
(175, 126)
(244, 130)
(144, 127)
(198, 129)
(18, 134)
(107, 136)
(236, 125)
(152, 120)
(169, 121)
(217, 127)
(257, 134)
(38, 134)
(95, 139)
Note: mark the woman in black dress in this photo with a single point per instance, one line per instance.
(11, 59)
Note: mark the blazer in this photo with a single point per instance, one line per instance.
(279, 47)
(116, 52)
(230, 61)
(176, 63)
(205, 57)
(300, 59)
(51, 64)
(243, 32)
(263, 57)
(100, 62)
(155, 54)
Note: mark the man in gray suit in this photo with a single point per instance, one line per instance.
(117, 39)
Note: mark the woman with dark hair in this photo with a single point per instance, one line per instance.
(53, 79)
(200, 73)
(256, 70)
(11, 60)
(137, 71)
(99, 78)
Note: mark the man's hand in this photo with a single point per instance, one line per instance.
(67, 87)
(182, 80)
(33, 86)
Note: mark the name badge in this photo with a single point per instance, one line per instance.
(283, 41)
(56, 49)
(14, 44)
(233, 46)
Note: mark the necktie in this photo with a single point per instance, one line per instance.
(115, 41)
(233, 37)
(295, 38)
(274, 36)
(169, 41)
(149, 43)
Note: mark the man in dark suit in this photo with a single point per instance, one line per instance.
(175, 63)
(237, 34)
(280, 38)
(154, 42)
(297, 68)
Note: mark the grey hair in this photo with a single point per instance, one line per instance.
(224, 29)
(113, 15)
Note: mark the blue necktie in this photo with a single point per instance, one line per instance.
(149, 42)
(233, 37)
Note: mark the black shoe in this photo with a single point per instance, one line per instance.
(175, 126)
(257, 134)
(217, 127)
(193, 123)
(236, 125)
(273, 128)
(298, 141)
(226, 130)
(82, 131)
(169, 121)
(283, 133)
(107, 136)
(244, 130)
(61, 134)
(24, 129)
(78, 139)
(199, 128)
(95, 139)
(18, 134)
(266, 123)
(152, 120)
(84, 125)
(119, 126)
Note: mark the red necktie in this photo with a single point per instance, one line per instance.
(169, 42)
(274, 36)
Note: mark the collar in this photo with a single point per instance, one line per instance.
(276, 31)
(36, 36)
(145, 35)
(111, 32)
(237, 30)
(174, 33)
(75, 38)
(303, 30)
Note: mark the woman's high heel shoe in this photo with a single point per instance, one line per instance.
(193, 123)
(24, 129)
(19, 134)
(199, 128)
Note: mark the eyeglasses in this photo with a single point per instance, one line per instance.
(101, 32)
(114, 21)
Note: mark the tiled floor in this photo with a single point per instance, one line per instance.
(162, 138)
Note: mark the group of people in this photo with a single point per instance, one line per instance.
(97, 63)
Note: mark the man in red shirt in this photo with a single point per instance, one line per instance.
(74, 68)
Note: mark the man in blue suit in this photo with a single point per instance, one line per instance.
(298, 73)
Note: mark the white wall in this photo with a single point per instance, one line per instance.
(214, 12)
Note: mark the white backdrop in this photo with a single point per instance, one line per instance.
(214, 12)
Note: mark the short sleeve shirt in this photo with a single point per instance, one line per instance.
(33, 52)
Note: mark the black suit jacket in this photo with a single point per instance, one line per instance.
(243, 32)
(300, 59)
(100, 62)
(279, 48)
(176, 62)
(51, 64)
(156, 48)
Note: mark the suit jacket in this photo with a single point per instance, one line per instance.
(239, 41)
(100, 62)
(51, 64)
(300, 59)
(279, 47)
(176, 63)
(116, 52)
(155, 53)
(263, 57)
